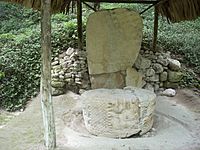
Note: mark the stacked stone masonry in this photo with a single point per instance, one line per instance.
(159, 70)
(70, 72)
(152, 71)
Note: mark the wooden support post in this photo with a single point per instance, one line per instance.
(155, 32)
(79, 21)
(46, 99)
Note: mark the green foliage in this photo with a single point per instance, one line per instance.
(190, 79)
(20, 54)
(20, 63)
(179, 38)
(20, 47)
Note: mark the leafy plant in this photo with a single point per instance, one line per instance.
(20, 53)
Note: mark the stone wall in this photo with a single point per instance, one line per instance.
(152, 71)
(158, 70)
(70, 72)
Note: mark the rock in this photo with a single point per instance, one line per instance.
(61, 56)
(57, 84)
(149, 87)
(158, 68)
(113, 40)
(56, 68)
(55, 63)
(161, 84)
(142, 63)
(69, 51)
(154, 78)
(118, 113)
(66, 58)
(108, 80)
(163, 76)
(62, 61)
(68, 75)
(57, 91)
(174, 65)
(133, 78)
(61, 77)
(164, 62)
(156, 87)
(169, 92)
(81, 91)
(174, 76)
(56, 59)
(150, 72)
(61, 72)
(55, 75)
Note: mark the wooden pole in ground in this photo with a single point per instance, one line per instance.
(79, 21)
(155, 32)
(45, 89)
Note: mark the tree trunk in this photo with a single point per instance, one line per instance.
(79, 21)
(46, 99)
(155, 33)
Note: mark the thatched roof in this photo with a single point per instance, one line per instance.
(56, 5)
(180, 10)
(174, 10)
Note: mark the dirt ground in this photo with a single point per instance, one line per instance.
(176, 127)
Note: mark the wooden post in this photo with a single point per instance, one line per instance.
(46, 99)
(155, 32)
(79, 21)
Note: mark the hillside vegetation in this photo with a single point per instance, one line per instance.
(20, 47)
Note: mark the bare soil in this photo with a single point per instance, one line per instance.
(176, 126)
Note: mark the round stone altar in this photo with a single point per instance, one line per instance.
(118, 113)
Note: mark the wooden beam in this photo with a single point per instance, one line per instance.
(148, 8)
(89, 6)
(155, 33)
(46, 98)
(79, 21)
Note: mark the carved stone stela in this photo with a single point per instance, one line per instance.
(113, 42)
(118, 113)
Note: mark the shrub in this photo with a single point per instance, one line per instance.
(20, 55)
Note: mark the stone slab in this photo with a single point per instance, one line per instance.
(108, 80)
(134, 78)
(113, 40)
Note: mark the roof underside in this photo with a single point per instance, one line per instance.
(174, 10)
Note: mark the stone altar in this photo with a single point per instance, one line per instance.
(118, 113)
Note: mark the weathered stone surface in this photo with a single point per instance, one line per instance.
(150, 72)
(57, 91)
(133, 78)
(154, 78)
(113, 40)
(108, 80)
(55, 63)
(149, 87)
(158, 68)
(57, 84)
(118, 113)
(174, 64)
(142, 63)
(169, 92)
(163, 61)
(174, 76)
(163, 76)
(69, 51)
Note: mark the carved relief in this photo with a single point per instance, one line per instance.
(117, 113)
